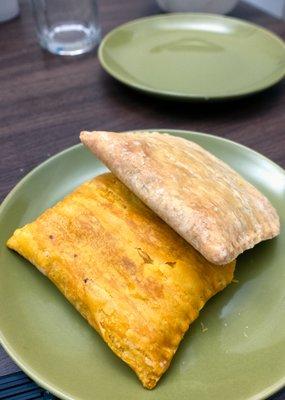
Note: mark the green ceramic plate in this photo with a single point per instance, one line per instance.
(241, 356)
(193, 56)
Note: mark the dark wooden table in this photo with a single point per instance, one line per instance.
(46, 100)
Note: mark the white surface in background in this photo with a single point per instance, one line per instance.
(275, 7)
(8, 9)
(207, 6)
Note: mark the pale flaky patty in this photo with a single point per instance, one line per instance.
(202, 198)
(135, 280)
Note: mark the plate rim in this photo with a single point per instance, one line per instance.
(177, 94)
(264, 394)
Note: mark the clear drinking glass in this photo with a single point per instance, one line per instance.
(67, 27)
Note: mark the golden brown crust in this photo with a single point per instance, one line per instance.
(198, 195)
(136, 281)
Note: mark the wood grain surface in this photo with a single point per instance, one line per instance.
(46, 100)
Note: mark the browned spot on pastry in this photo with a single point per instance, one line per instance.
(51, 236)
(85, 280)
(143, 254)
(171, 263)
(129, 264)
(154, 288)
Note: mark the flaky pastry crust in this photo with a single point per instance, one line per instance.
(199, 196)
(134, 279)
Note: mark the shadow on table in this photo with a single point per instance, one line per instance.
(278, 396)
(204, 110)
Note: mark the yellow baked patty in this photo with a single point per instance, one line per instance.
(135, 280)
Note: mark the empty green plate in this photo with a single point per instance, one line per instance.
(193, 56)
(241, 355)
